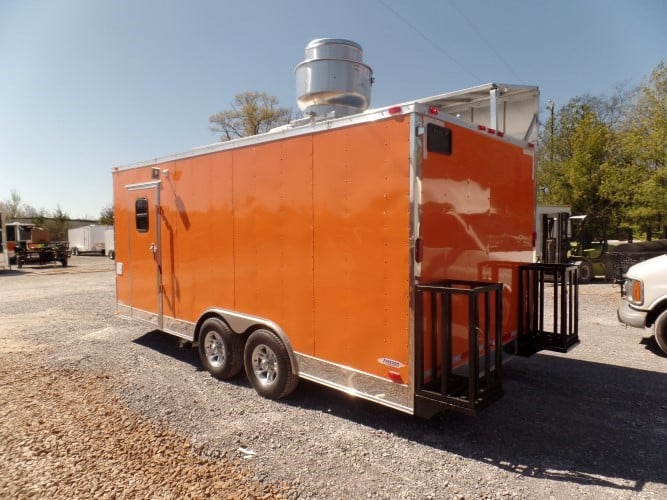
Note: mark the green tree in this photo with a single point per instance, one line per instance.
(251, 113)
(60, 224)
(572, 161)
(39, 218)
(107, 216)
(609, 156)
(643, 143)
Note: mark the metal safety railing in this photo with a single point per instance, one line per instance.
(465, 377)
(548, 308)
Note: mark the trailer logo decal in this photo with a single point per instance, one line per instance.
(391, 362)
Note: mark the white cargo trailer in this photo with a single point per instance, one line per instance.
(87, 239)
(4, 252)
(109, 243)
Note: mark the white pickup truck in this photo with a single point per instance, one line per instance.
(644, 302)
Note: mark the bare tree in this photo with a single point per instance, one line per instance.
(12, 205)
(251, 113)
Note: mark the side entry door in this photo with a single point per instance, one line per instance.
(143, 266)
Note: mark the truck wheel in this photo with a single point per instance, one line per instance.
(220, 349)
(75, 251)
(111, 254)
(661, 331)
(268, 366)
(585, 272)
(64, 262)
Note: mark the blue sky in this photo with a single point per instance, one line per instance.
(86, 85)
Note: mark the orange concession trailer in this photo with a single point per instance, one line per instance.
(387, 254)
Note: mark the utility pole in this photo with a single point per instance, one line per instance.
(550, 107)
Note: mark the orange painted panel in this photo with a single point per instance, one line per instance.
(273, 246)
(311, 232)
(361, 245)
(478, 208)
(137, 285)
(197, 235)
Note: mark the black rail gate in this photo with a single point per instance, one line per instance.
(548, 314)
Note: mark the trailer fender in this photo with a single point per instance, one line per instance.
(241, 323)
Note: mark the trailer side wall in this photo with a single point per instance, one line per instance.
(311, 232)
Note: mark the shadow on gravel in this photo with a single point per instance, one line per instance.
(27, 269)
(652, 346)
(180, 350)
(561, 419)
(11, 272)
(170, 346)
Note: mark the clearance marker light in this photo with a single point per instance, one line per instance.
(491, 130)
(395, 377)
(394, 110)
(433, 110)
(419, 250)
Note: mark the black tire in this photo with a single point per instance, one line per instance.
(75, 251)
(64, 262)
(111, 254)
(585, 272)
(267, 365)
(660, 329)
(220, 349)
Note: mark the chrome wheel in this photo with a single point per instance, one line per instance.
(265, 364)
(214, 348)
(220, 350)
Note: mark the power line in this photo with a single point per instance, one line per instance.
(429, 40)
(487, 43)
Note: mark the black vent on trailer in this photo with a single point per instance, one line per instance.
(438, 139)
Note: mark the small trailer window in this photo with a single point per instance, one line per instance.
(438, 139)
(141, 214)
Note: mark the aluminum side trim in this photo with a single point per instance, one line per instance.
(356, 383)
(342, 378)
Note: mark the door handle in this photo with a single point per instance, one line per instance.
(153, 248)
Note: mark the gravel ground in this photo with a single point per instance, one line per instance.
(92, 405)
